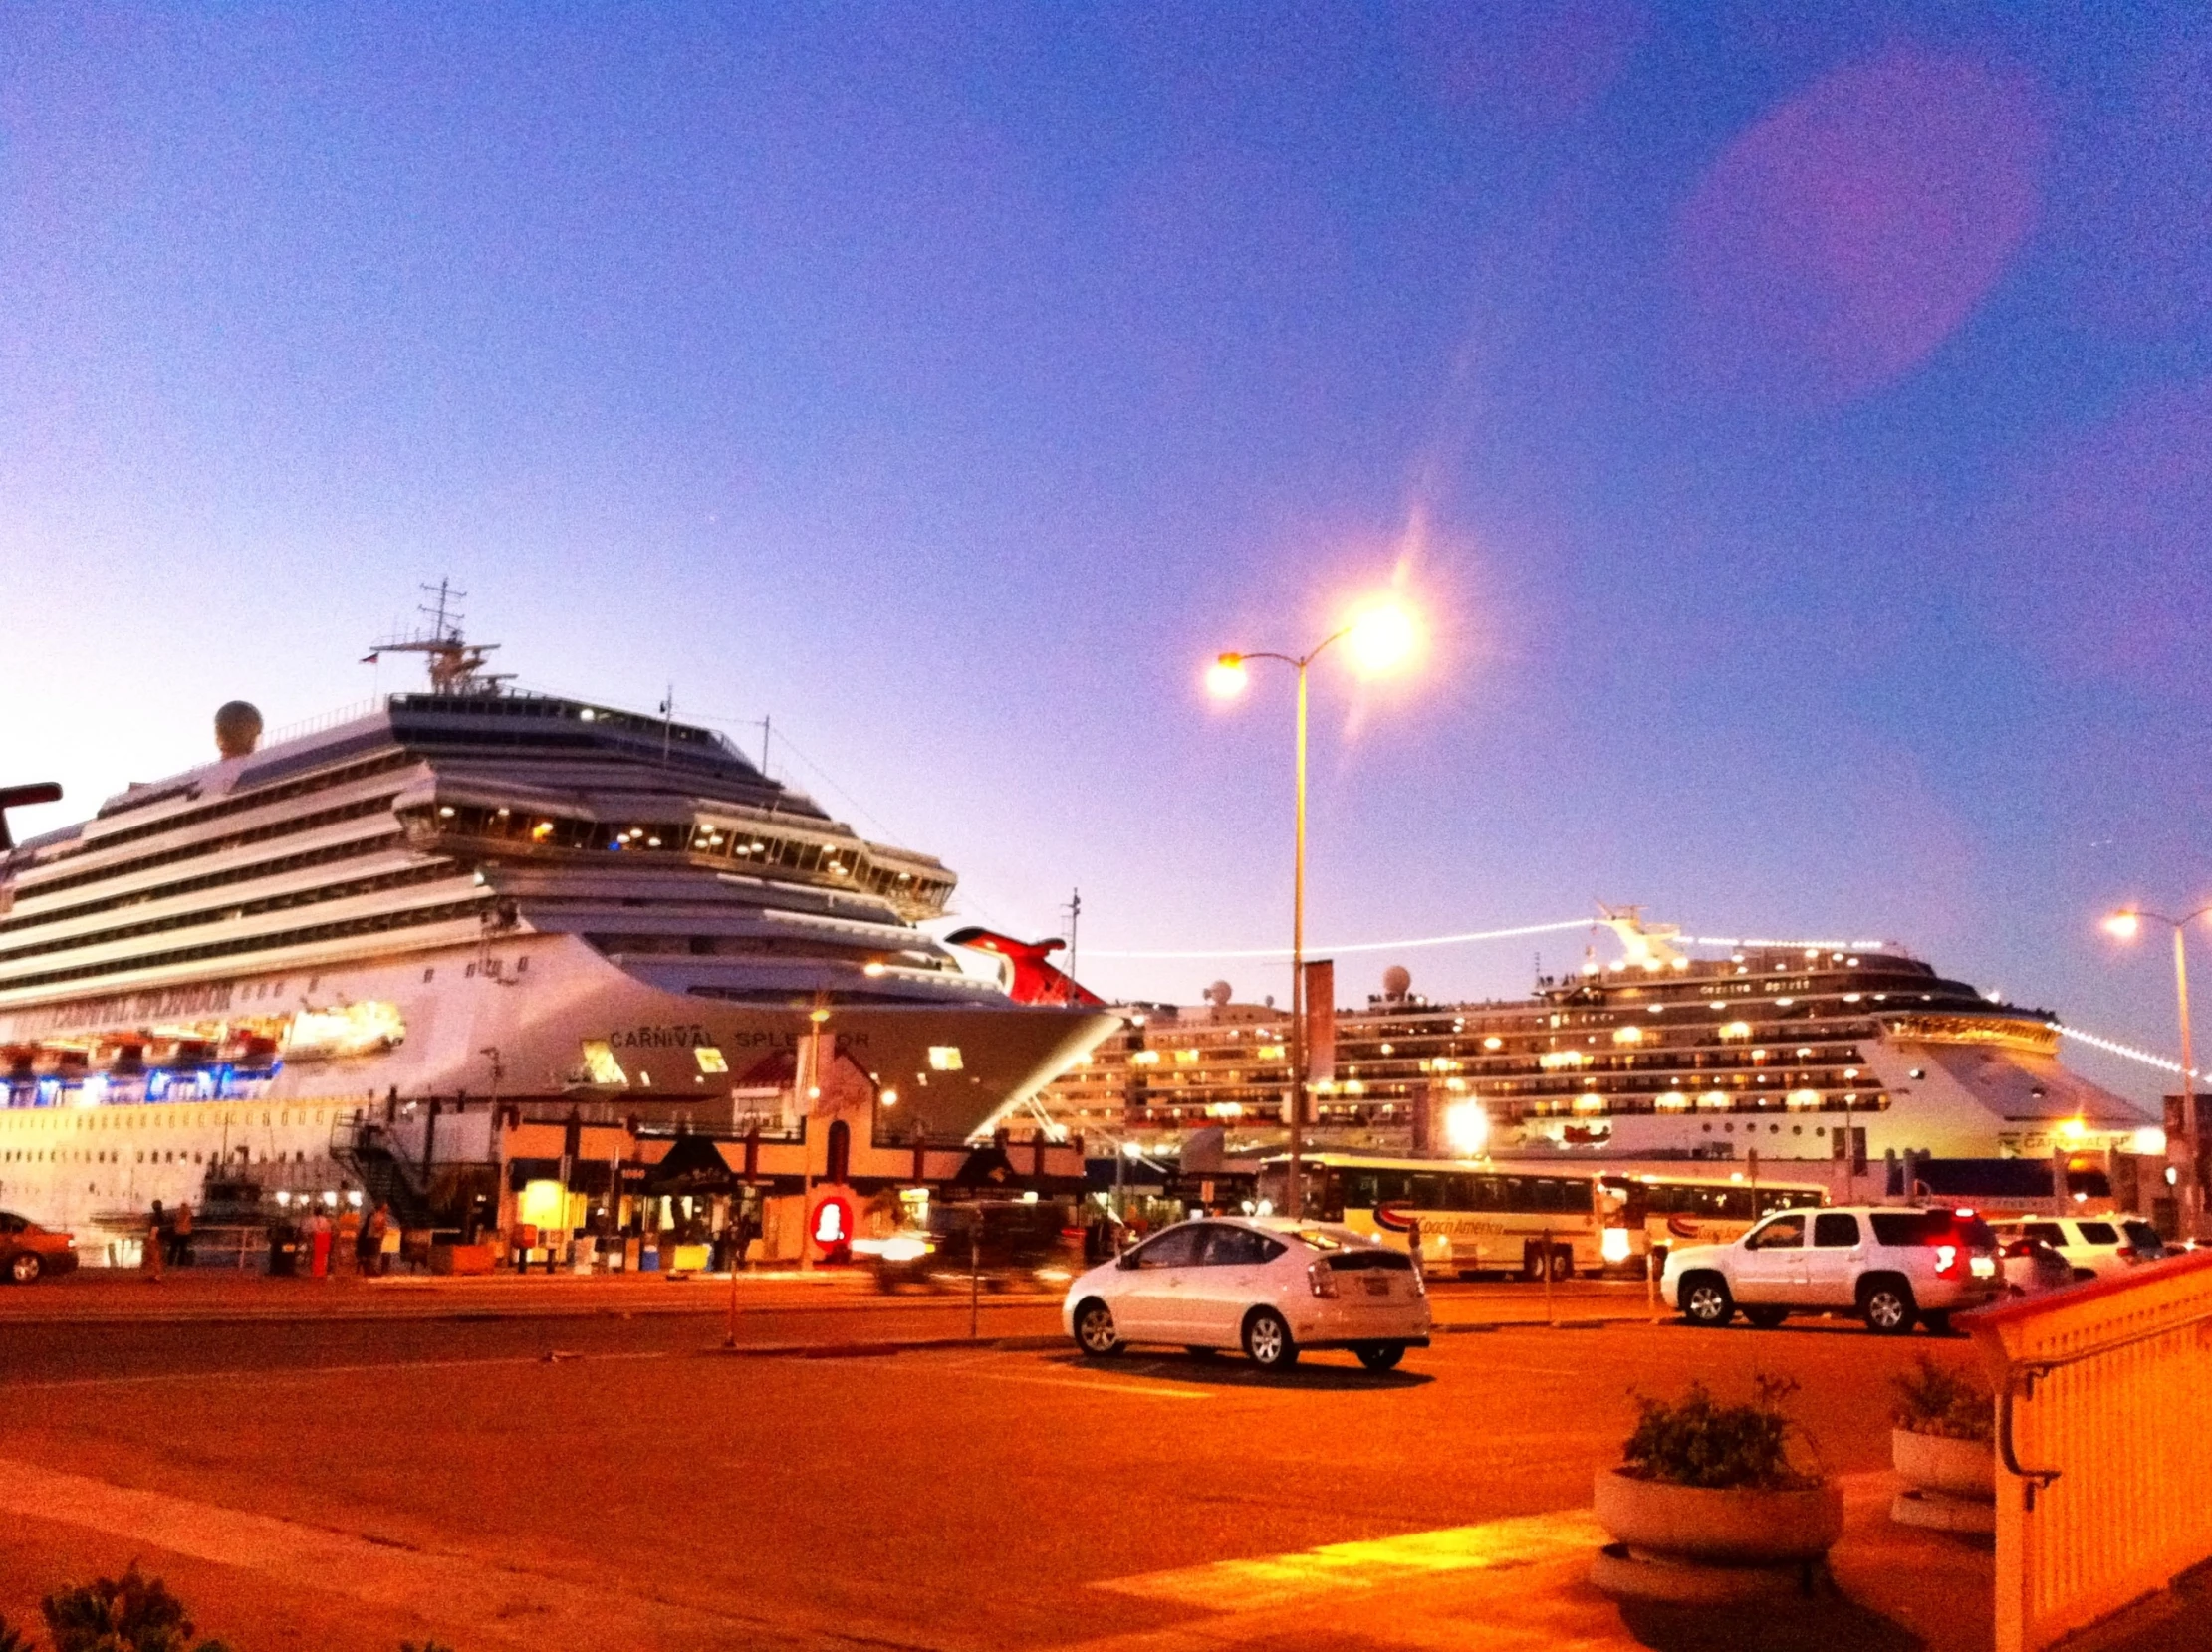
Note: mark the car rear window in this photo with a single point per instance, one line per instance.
(1932, 1227)
(2099, 1233)
(1365, 1259)
(2143, 1236)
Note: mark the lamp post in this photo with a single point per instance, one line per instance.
(2124, 925)
(1381, 636)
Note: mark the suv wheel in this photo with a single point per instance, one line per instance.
(1888, 1307)
(1706, 1302)
(1095, 1333)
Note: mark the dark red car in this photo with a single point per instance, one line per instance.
(29, 1252)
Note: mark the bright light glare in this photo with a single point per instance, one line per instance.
(2123, 925)
(1381, 638)
(1466, 1128)
(1225, 678)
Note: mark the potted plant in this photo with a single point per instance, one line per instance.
(1943, 1446)
(1715, 1502)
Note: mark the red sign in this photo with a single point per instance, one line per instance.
(1398, 1218)
(1683, 1227)
(833, 1222)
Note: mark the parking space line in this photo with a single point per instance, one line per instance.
(1145, 1390)
(1278, 1580)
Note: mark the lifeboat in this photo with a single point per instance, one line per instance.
(123, 1057)
(180, 1054)
(59, 1062)
(248, 1050)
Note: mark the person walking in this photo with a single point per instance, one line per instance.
(369, 1245)
(158, 1235)
(318, 1237)
(345, 1246)
(181, 1234)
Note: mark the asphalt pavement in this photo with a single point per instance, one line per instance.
(601, 1472)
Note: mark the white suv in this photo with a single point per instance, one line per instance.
(2093, 1245)
(1891, 1267)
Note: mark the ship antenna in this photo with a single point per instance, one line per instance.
(457, 664)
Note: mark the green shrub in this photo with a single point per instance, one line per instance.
(1696, 1441)
(130, 1614)
(1944, 1400)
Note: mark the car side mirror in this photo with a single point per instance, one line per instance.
(1128, 1259)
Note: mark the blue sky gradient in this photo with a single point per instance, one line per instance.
(1796, 426)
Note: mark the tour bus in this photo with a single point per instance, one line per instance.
(1662, 1211)
(1478, 1215)
(1474, 1216)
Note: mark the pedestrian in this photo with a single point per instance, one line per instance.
(318, 1237)
(180, 1234)
(157, 1237)
(368, 1244)
(345, 1248)
(388, 1245)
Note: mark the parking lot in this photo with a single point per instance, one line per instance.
(594, 1479)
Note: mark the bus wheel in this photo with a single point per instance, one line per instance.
(1532, 1263)
(1563, 1262)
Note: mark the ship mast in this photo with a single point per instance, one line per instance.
(456, 666)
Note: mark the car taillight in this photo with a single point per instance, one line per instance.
(1946, 1261)
(2020, 1247)
(2128, 1252)
(1324, 1279)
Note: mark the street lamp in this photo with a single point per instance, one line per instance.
(1381, 636)
(2124, 925)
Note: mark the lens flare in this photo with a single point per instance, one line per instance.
(1225, 678)
(1382, 638)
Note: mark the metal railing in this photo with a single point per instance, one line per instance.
(2105, 1436)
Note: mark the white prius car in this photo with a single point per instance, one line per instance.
(1270, 1286)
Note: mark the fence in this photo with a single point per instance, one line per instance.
(2105, 1436)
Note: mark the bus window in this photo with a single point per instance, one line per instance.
(1460, 1190)
(1519, 1194)
(1427, 1192)
(1391, 1187)
(1359, 1188)
(1489, 1193)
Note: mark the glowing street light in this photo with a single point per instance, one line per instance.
(1383, 636)
(2125, 924)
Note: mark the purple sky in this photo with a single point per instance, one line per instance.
(1797, 425)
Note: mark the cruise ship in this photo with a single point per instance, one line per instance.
(1653, 1053)
(465, 895)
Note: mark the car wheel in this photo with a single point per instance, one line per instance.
(1766, 1318)
(1267, 1341)
(1381, 1356)
(1095, 1333)
(1889, 1309)
(23, 1266)
(1939, 1323)
(1706, 1302)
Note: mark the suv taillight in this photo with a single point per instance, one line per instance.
(1946, 1261)
(1322, 1276)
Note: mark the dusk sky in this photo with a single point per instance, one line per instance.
(1795, 423)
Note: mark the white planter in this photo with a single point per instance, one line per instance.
(1956, 1468)
(1735, 1527)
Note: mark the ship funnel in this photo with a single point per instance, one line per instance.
(237, 728)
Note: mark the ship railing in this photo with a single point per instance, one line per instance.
(2105, 1445)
